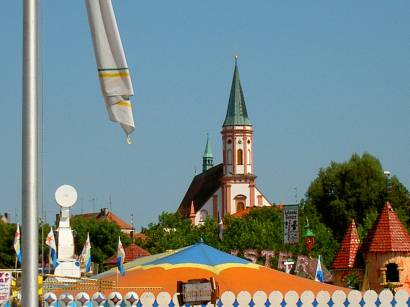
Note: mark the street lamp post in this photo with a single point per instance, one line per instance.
(29, 188)
(309, 237)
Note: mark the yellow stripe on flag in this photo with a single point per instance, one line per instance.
(123, 103)
(113, 74)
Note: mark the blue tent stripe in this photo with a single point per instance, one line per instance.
(199, 253)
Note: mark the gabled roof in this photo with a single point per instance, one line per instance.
(106, 215)
(202, 187)
(347, 254)
(132, 252)
(236, 115)
(388, 234)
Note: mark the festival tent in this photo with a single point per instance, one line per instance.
(162, 272)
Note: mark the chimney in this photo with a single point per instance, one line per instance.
(104, 211)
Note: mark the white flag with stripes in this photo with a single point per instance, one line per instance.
(112, 66)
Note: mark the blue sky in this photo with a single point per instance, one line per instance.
(322, 80)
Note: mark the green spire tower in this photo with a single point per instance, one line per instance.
(208, 157)
(236, 115)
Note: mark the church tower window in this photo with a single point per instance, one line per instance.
(240, 157)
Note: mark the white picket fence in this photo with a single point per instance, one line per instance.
(229, 299)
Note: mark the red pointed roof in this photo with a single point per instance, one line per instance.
(132, 252)
(346, 256)
(388, 234)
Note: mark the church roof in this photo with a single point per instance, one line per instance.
(347, 254)
(208, 150)
(236, 115)
(202, 187)
(388, 234)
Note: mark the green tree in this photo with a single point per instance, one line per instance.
(7, 253)
(103, 236)
(261, 229)
(172, 231)
(354, 190)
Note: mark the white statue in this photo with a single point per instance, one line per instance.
(66, 196)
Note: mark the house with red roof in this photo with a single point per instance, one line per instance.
(106, 215)
(132, 252)
(385, 251)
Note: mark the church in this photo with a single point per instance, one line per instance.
(228, 187)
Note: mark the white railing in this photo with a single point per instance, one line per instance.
(229, 299)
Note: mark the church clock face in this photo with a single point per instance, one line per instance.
(239, 141)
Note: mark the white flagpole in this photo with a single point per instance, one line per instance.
(29, 156)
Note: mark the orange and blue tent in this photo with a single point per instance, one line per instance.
(162, 272)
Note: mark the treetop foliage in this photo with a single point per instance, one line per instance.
(355, 189)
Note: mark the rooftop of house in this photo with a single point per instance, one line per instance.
(387, 234)
(107, 215)
(346, 257)
(132, 252)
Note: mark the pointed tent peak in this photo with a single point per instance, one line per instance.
(236, 114)
(203, 254)
(388, 233)
(208, 150)
(346, 257)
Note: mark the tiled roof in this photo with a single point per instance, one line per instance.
(347, 254)
(117, 220)
(202, 187)
(132, 252)
(104, 214)
(388, 234)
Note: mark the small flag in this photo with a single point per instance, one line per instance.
(17, 246)
(112, 66)
(51, 242)
(120, 257)
(220, 227)
(85, 256)
(319, 271)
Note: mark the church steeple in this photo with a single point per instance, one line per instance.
(236, 115)
(208, 157)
